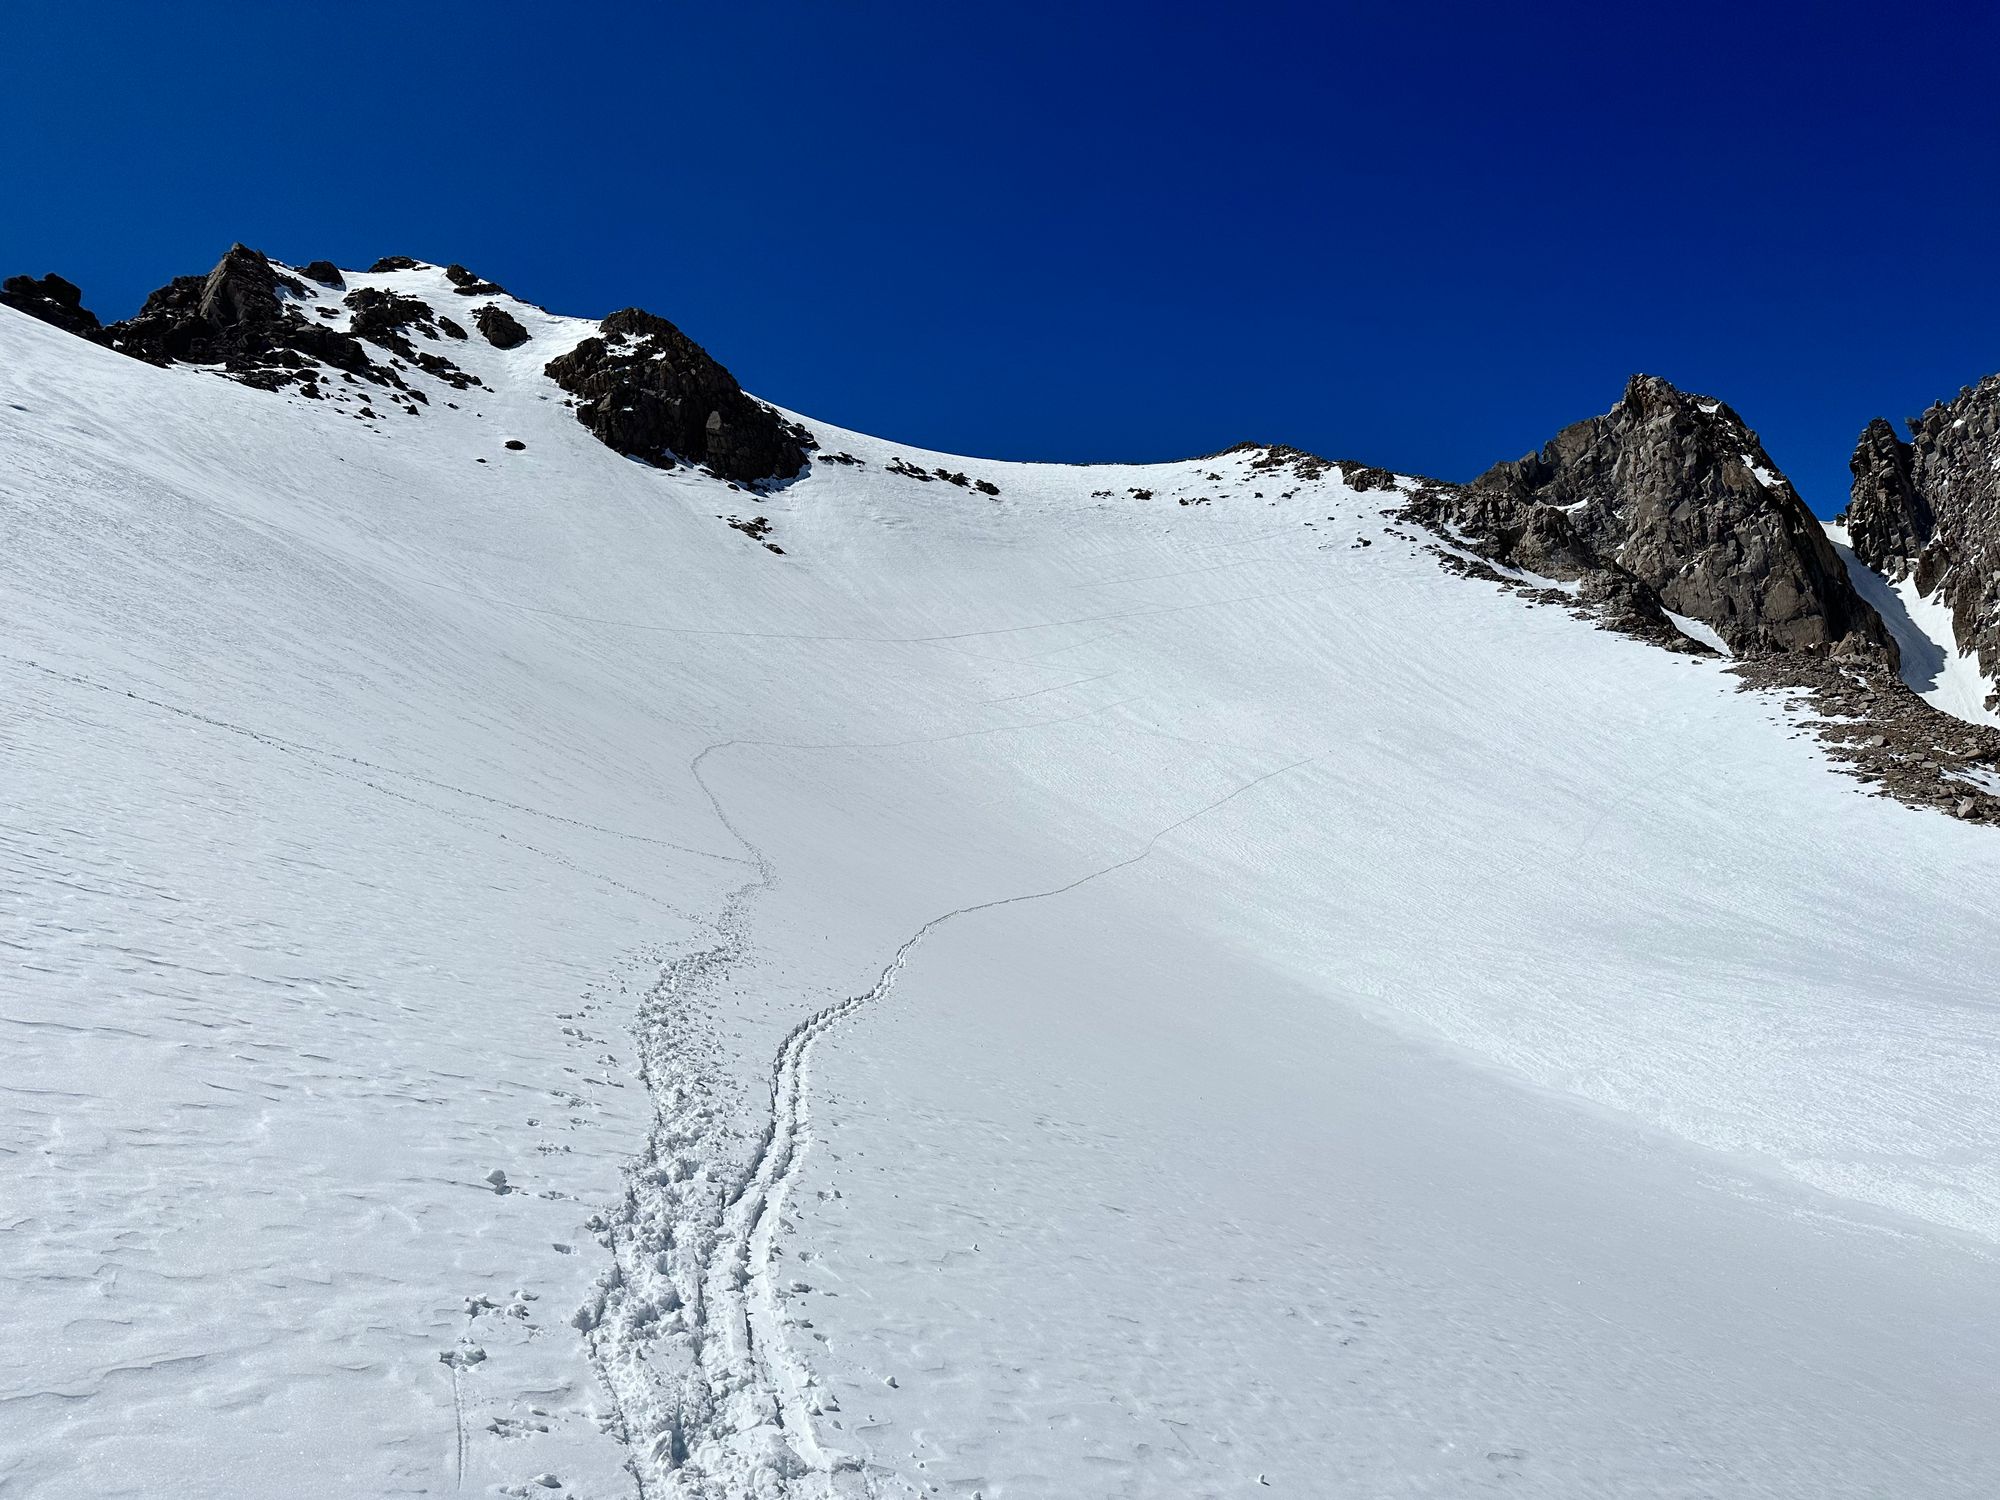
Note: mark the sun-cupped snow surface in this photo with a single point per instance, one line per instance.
(1112, 987)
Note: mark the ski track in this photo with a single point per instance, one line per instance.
(687, 1328)
(1700, 1228)
(328, 762)
(458, 1420)
(294, 747)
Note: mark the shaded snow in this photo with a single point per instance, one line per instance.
(1699, 630)
(1945, 677)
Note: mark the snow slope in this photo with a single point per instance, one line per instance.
(1058, 994)
(1945, 677)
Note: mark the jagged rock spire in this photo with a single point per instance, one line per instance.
(1929, 510)
(1674, 491)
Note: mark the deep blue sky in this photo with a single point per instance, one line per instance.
(1425, 235)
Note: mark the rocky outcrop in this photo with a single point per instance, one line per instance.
(267, 328)
(1873, 727)
(381, 317)
(1888, 520)
(1669, 503)
(51, 299)
(499, 327)
(236, 317)
(469, 284)
(650, 392)
(1603, 592)
(1282, 461)
(387, 320)
(1672, 492)
(1929, 510)
(642, 386)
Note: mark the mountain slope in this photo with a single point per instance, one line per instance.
(1924, 520)
(1101, 983)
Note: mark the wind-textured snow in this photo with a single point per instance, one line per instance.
(515, 987)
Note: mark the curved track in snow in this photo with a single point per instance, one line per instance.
(688, 1327)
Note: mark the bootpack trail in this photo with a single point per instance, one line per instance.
(1568, 1082)
(731, 1408)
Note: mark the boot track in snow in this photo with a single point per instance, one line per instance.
(687, 1327)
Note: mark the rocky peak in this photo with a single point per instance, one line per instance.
(52, 299)
(232, 316)
(650, 392)
(1888, 521)
(263, 326)
(1668, 502)
(642, 386)
(243, 289)
(1674, 491)
(1929, 510)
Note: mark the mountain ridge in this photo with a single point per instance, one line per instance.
(1663, 519)
(457, 873)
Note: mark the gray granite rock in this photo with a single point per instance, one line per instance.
(1929, 510)
(1674, 491)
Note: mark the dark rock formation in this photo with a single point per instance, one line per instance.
(250, 318)
(466, 284)
(1929, 510)
(51, 299)
(649, 391)
(1605, 594)
(235, 317)
(1888, 521)
(382, 317)
(388, 318)
(1281, 460)
(1671, 493)
(1669, 500)
(243, 288)
(499, 327)
(643, 387)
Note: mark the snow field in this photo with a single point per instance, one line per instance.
(1063, 993)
